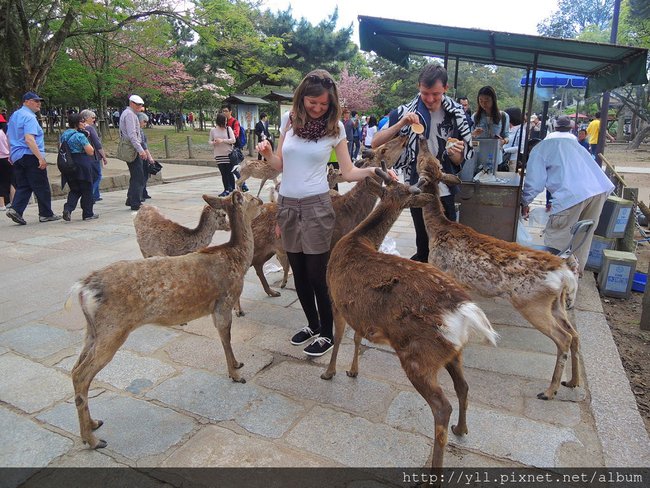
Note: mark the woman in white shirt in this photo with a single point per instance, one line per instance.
(371, 130)
(514, 137)
(222, 138)
(305, 215)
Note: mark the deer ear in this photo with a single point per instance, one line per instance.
(374, 187)
(450, 179)
(215, 202)
(420, 200)
(237, 197)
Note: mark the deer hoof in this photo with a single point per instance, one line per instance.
(283, 285)
(569, 384)
(327, 375)
(239, 380)
(238, 365)
(97, 424)
(274, 293)
(101, 444)
(544, 396)
(458, 430)
(351, 374)
(240, 313)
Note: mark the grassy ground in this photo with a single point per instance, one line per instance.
(177, 142)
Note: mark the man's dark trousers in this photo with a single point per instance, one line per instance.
(29, 178)
(136, 183)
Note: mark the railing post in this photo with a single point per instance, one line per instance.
(189, 147)
(166, 147)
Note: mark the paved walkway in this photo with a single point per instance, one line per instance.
(167, 401)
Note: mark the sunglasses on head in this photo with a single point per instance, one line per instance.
(326, 82)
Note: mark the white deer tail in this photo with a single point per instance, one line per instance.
(467, 318)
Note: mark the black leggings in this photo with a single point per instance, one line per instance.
(310, 277)
(227, 177)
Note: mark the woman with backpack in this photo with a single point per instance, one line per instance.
(80, 180)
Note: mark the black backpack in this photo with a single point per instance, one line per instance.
(64, 160)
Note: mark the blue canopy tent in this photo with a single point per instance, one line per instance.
(548, 79)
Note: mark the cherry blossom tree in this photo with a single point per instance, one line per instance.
(357, 93)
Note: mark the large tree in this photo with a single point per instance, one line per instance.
(573, 16)
(32, 34)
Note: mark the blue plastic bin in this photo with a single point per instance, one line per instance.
(640, 280)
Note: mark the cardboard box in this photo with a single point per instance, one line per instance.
(617, 273)
(614, 217)
(598, 245)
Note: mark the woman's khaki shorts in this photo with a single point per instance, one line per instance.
(306, 224)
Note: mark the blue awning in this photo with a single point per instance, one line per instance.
(547, 79)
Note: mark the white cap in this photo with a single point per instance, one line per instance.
(136, 99)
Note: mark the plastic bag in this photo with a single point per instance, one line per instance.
(523, 237)
(538, 217)
(271, 267)
(389, 246)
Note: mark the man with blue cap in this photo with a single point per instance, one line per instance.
(28, 157)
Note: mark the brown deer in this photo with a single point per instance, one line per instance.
(159, 236)
(537, 284)
(254, 168)
(166, 291)
(423, 314)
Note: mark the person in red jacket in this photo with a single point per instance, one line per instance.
(233, 123)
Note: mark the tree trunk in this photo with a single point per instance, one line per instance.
(640, 136)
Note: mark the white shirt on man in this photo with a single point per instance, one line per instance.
(566, 169)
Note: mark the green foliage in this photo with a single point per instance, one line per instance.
(68, 84)
(573, 16)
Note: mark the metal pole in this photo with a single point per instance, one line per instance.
(456, 78)
(604, 109)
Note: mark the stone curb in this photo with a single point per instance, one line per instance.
(619, 425)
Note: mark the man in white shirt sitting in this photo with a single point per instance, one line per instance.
(579, 187)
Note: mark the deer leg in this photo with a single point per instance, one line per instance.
(425, 383)
(238, 310)
(339, 330)
(284, 262)
(540, 315)
(354, 368)
(222, 320)
(97, 353)
(561, 316)
(259, 269)
(261, 186)
(455, 370)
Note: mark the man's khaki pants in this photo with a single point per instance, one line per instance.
(557, 233)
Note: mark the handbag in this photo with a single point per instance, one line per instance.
(125, 151)
(236, 156)
(154, 167)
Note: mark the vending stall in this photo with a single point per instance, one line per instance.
(491, 205)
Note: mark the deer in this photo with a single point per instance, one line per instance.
(166, 291)
(159, 236)
(420, 311)
(256, 169)
(538, 284)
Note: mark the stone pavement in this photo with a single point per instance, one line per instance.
(166, 399)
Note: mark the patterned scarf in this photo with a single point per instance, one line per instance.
(313, 129)
(407, 159)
